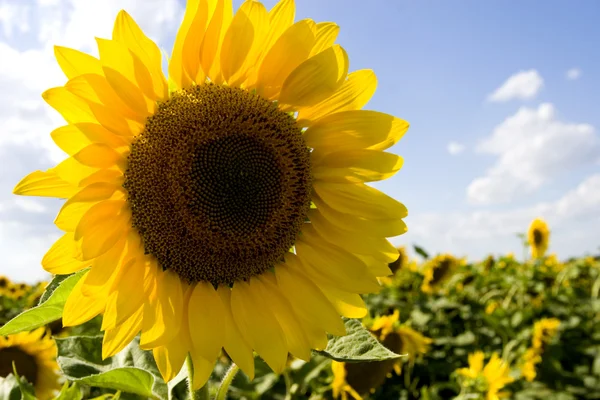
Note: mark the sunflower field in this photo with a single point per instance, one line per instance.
(495, 328)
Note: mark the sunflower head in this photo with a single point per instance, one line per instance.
(438, 271)
(4, 282)
(488, 379)
(400, 262)
(530, 359)
(544, 331)
(232, 194)
(538, 237)
(33, 354)
(489, 263)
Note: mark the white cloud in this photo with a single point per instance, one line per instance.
(574, 220)
(455, 148)
(573, 74)
(532, 147)
(522, 85)
(14, 18)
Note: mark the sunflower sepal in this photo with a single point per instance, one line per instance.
(49, 310)
(132, 370)
(358, 345)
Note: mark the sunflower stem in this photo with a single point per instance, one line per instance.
(227, 379)
(200, 394)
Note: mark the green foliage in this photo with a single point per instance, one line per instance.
(132, 370)
(46, 312)
(357, 345)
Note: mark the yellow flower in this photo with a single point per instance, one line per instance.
(384, 325)
(339, 385)
(543, 331)
(4, 282)
(495, 373)
(437, 271)
(34, 356)
(489, 263)
(531, 358)
(226, 207)
(538, 238)
(401, 262)
(491, 307)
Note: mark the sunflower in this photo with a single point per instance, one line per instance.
(538, 237)
(437, 271)
(226, 207)
(33, 354)
(494, 376)
(530, 359)
(4, 282)
(364, 378)
(400, 262)
(543, 331)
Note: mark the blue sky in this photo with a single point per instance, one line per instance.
(535, 151)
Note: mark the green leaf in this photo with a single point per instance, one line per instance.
(420, 251)
(357, 346)
(26, 388)
(132, 370)
(48, 311)
(69, 392)
(52, 286)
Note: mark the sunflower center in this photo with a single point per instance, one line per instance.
(218, 183)
(440, 271)
(537, 238)
(24, 363)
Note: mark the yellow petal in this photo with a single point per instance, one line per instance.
(242, 44)
(356, 166)
(204, 316)
(101, 227)
(127, 31)
(59, 259)
(348, 304)
(297, 343)
(98, 155)
(354, 94)
(281, 17)
(193, 41)
(72, 171)
(327, 32)
(128, 76)
(74, 62)
(328, 263)
(80, 308)
(176, 71)
(378, 247)
(235, 344)
(375, 266)
(257, 324)
(124, 302)
(289, 51)
(98, 134)
(316, 78)
(308, 301)
(169, 359)
(202, 371)
(72, 108)
(167, 310)
(358, 129)
(115, 339)
(71, 212)
(105, 176)
(106, 269)
(47, 184)
(385, 227)
(114, 122)
(213, 39)
(96, 89)
(359, 199)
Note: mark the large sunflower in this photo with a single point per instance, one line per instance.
(33, 354)
(227, 208)
(538, 237)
